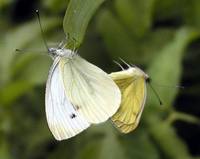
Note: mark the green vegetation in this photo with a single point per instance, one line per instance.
(152, 34)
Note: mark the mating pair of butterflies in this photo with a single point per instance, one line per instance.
(79, 94)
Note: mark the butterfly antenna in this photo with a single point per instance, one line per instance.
(156, 94)
(18, 51)
(125, 62)
(181, 87)
(42, 31)
(33, 51)
(170, 86)
(118, 64)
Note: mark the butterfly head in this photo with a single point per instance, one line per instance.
(138, 72)
(54, 52)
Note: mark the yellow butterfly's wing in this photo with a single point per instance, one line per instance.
(133, 90)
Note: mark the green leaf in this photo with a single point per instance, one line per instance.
(77, 17)
(120, 43)
(12, 41)
(192, 13)
(33, 71)
(174, 116)
(55, 5)
(5, 152)
(138, 142)
(35, 142)
(116, 37)
(103, 144)
(111, 147)
(167, 140)
(36, 71)
(136, 15)
(13, 90)
(167, 9)
(166, 67)
(4, 3)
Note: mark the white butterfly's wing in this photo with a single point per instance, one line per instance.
(90, 89)
(63, 120)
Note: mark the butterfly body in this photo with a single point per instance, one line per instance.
(54, 52)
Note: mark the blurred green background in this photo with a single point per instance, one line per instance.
(160, 36)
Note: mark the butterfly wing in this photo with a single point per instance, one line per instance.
(90, 89)
(63, 120)
(133, 91)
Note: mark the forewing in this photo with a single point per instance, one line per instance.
(133, 99)
(63, 120)
(90, 89)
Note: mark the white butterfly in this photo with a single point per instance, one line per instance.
(78, 94)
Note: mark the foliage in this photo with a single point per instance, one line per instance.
(152, 34)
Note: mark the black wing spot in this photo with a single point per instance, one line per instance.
(72, 115)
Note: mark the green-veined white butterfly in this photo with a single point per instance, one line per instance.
(78, 94)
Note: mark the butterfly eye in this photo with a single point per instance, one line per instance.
(148, 80)
(52, 52)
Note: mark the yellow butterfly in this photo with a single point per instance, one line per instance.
(132, 83)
